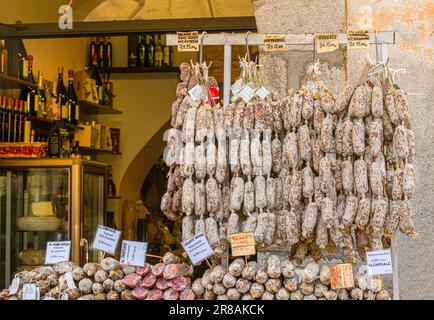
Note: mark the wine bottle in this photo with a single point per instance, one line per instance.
(149, 51)
(31, 93)
(101, 53)
(41, 98)
(92, 50)
(3, 119)
(72, 99)
(158, 60)
(61, 95)
(141, 52)
(16, 123)
(10, 121)
(27, 124)
(166, 52)
(21, 121)
(94, 74)
(109, 54)
(55, 104)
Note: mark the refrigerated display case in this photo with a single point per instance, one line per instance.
(48, 200)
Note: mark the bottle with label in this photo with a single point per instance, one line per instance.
(27, 124)
(55, 104)
(149, 51)
(166, 52)
(10, 128)
(16, 121)
(31, 93)
(21, 121)
(92, 50)
(141, 52)
(73, 115)
(3, 57)
(158, 59)
(94, 75)
(61, 95)
(109, 54)
(23, 67)
(101, 54)
(3, 117)
(41, 98)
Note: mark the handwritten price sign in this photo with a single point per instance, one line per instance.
(188, 41)
(358, 39)
(274, 42)
(327, 42)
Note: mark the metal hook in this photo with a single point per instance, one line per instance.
(247, 46)
(201, 46)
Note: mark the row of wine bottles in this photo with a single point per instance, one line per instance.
(14, 120)
(152, 51)
(102, 48)
(59, 103)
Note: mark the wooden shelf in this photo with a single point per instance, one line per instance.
(114, 197)
(144, 70)
(95, 150)
(51, 122)
(93, 108)
(9, 82)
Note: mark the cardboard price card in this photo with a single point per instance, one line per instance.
(243, 244)
(197, 248)
(57, 251)
(106, 239)
(341, 276)
(274, 42)
(379, 262)
(187, 41)
(133, 253)
(326, 42)
(358, 39)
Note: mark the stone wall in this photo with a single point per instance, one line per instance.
(413, 22)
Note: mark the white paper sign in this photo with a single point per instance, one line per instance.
(262, 93)
(133, 253)
(57, 251)
(247, 93)
(196, 92)
(236, 87)
(379, 262)
(30, 292)
(197, 248)
(14, 286)
(106, 239)
(70, 280)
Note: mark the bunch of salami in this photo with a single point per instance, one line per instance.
(109, 280)
(310, 170)
(281, 279)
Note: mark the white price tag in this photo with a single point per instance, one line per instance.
(15, 285)
(247, 93)
(262, 93)
(197, 248)
(70, 280)
(133, 253)
(188, 41)
(106, 239)
(30, 292)
(64, 296)
(57, 251)
(379, 262)
(196, 92)
(237, 86)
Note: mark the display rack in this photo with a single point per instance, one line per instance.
(380, 39)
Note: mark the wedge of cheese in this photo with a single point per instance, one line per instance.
(42, 209)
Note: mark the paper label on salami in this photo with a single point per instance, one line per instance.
(237, 86)
(15, 285)
(30, 292)
(106, 239)
(196, 92)
(262, 93)
(187, 41)
(379, 262)
(197, 248)
(133, 253)
(70, 280)
(247, 92)
(341, 276)
(57, 251)
(243, 244)
(358, 39)
(274, 42)
(326, 42)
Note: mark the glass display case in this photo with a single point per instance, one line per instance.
(48, 200)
